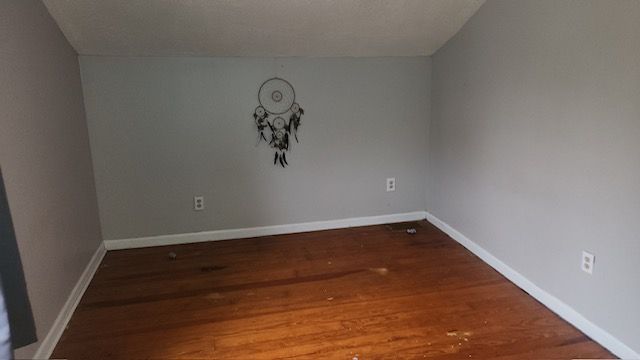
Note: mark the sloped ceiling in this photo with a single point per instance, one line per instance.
(260, 27)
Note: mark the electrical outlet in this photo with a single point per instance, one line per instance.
(391, 184)
(588, 262)
(198, 203)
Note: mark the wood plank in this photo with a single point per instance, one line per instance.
(372, 292)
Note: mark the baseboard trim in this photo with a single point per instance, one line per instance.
(53, 336)
(260, 231)
(554, 304)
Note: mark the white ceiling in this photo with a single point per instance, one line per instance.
(260, 27)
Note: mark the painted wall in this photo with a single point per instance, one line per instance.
(535, 151)
(45, 157)
(165, 129)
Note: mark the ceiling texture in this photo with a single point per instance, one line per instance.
(260, 28)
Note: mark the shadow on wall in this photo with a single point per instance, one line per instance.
(23, 331)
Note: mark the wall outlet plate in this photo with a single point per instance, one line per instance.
(391, 184)
(198, 203)
(588, 262)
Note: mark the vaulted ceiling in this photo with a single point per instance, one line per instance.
(260, 27)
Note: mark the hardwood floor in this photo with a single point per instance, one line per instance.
(368, 293)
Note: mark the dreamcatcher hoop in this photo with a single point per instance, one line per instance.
(276, 96)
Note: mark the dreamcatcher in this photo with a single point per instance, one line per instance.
(277, 103)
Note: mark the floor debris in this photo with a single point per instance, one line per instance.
(459, 334)
(380, 271)
(173, 255)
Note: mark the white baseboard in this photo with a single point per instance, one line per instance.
(260, 231)
(554, 304)
(53, 336)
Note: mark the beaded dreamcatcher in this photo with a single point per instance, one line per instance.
(278, 117)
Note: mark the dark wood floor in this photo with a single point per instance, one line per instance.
(367, 293)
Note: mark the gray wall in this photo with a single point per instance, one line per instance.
(535, 147)
(45, 158)
(165, 129)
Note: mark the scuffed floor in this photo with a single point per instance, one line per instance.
(373, 292)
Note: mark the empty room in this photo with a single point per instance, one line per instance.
(319, 179)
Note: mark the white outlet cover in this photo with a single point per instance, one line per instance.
(588, 262)
(198, 203)
(391, 184)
